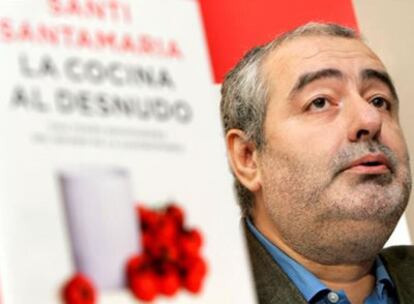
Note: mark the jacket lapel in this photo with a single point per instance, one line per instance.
(272, 284)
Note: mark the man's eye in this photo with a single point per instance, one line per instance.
(319, 103)
(380, 102)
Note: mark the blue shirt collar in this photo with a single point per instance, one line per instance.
(307, 283)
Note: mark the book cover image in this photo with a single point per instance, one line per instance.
(119, 243)
(102, 226)
(114, 180)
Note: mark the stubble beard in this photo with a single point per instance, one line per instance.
(334, 219)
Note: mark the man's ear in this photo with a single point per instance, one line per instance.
(243, 159)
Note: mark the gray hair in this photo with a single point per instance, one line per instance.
(245, 92)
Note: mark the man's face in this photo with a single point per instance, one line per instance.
(334, 171)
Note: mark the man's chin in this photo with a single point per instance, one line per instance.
(376, 179)
(350, 242)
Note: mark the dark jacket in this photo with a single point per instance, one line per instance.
(273, 286)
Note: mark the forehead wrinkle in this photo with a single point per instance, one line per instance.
(340, 53)
(305, 49)
(316, 44)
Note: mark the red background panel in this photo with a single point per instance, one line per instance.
(234, 26)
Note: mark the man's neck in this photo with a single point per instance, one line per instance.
(357, 290)
(355, 279)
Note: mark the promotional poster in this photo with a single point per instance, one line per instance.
(113, 166)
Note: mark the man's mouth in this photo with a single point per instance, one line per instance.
(372, 164)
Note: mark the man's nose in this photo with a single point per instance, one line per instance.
(365, 120)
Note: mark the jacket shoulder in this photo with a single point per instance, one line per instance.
(399, 261)
(401, 254)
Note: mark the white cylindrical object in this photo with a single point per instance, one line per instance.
(102, 223)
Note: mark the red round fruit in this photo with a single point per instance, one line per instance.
(167, 229)
(136, 264)
(190, 242)
(144, 286)
(147, 239)
(193, 281)
(176, 213)
(169, 282)
(79, 290)
(148, 218)
(195, 265)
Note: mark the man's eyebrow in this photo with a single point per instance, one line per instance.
(382, 76)
(307, 78)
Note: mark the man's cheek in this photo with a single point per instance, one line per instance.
(396, 142)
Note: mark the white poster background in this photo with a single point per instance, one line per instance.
(166, 160)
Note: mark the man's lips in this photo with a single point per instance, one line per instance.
(370, 164)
